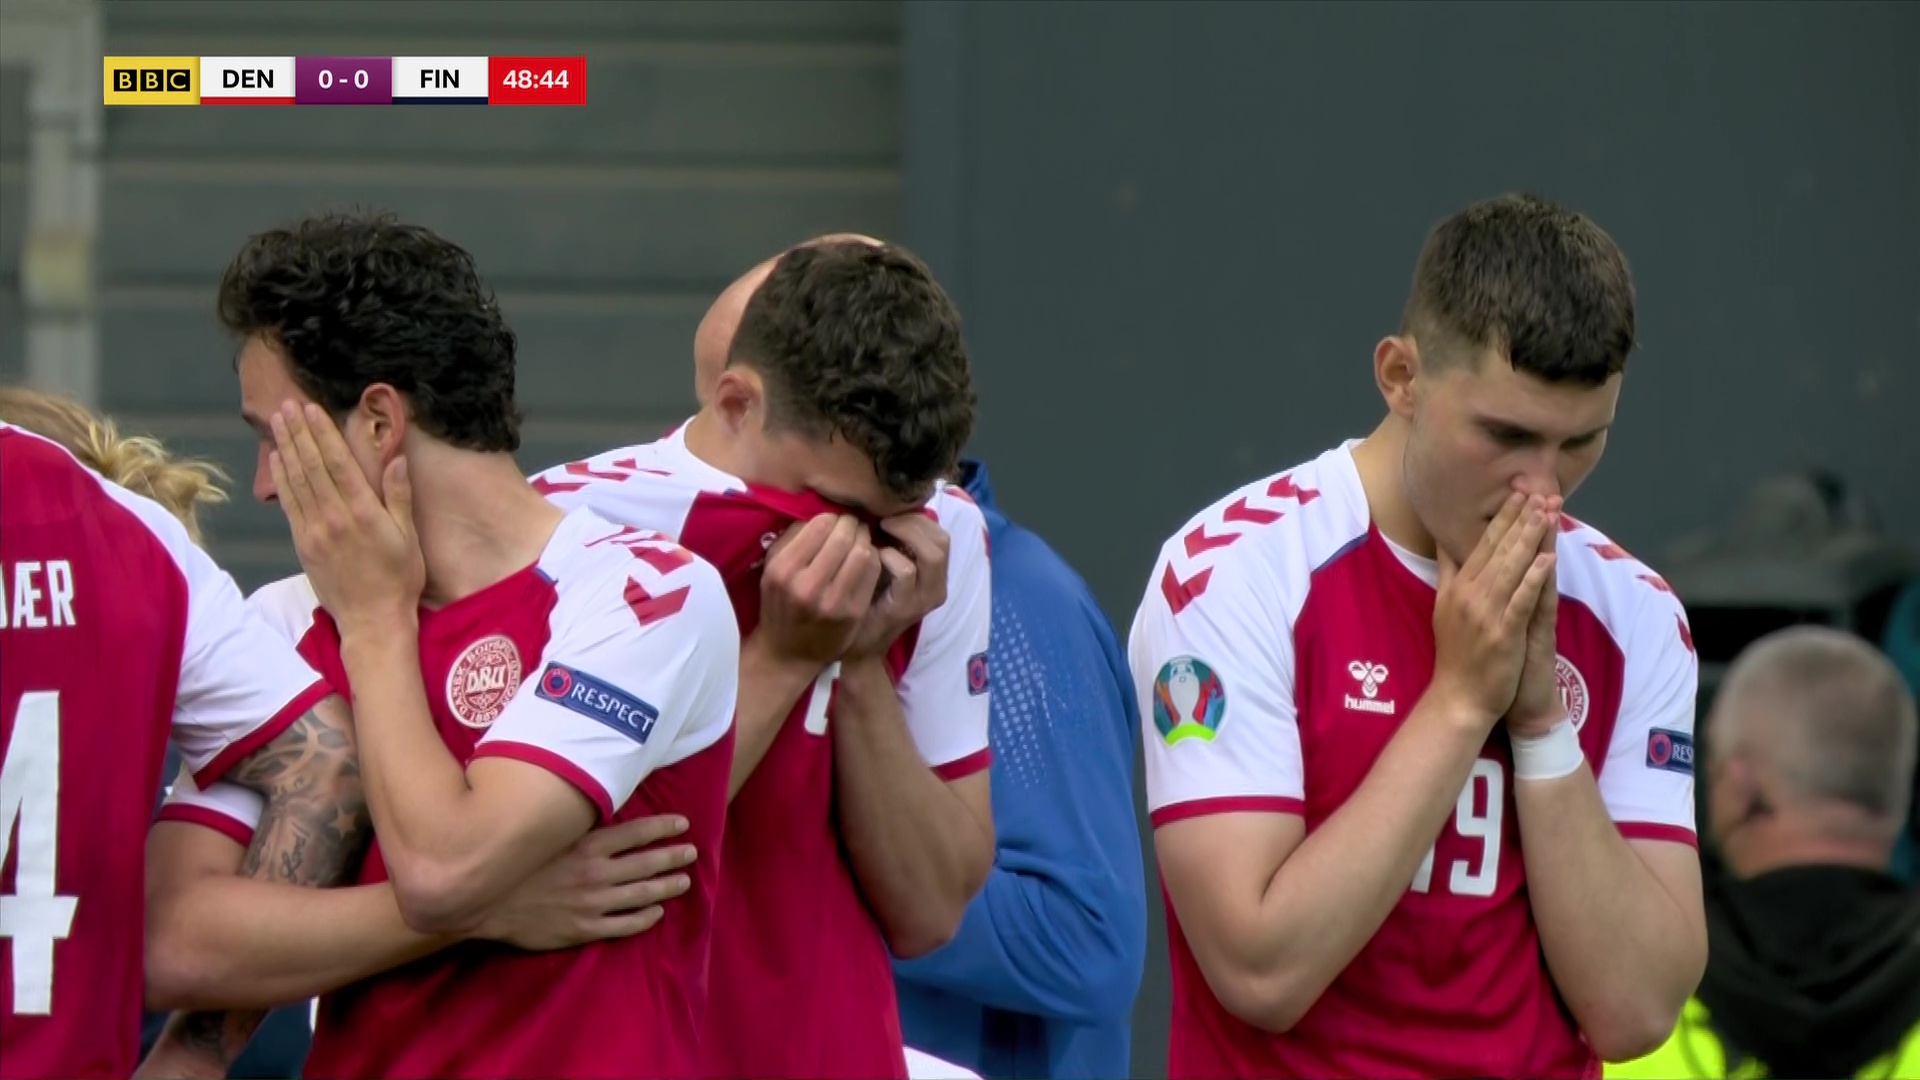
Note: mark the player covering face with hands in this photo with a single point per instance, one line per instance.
(1420, 754)
(859, 814)
(517, 676)
(835, 394)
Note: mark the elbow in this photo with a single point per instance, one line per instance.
(925, 932)
(1630, 1033)
(1109, 986)
(1270, 1001)
(926, 926)
(436, 899)
(1629, 1038)
(179, 974)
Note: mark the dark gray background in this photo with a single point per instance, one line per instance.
(1178, 229)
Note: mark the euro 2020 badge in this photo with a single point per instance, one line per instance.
(1188, 701)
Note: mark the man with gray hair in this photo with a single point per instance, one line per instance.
(1814, 948)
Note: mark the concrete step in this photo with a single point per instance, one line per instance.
(179, 222)
(591, 355)
(511, 20)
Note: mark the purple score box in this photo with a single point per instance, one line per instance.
(343, 80)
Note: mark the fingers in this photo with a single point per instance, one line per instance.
(635, 895)
(854, 583)
(286, 494)
(397, 491)
(1550, 536)
(1520, 609)
(1496, 531)
(646, 863)
(628, 835)
(294, 436)
(800, 543)
(1448, 568)
(329, 446)
(1546, 606)
(811, 578)
(1509, 563)
(903, 570)
(837, 581)
(624, 925)
(921, 535)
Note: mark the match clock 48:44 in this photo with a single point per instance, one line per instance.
(537, 80)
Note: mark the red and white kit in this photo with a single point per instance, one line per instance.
(1281, 643)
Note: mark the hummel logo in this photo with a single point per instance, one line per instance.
(1369, 676)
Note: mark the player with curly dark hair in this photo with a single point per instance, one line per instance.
(350, 300)
(519, 673)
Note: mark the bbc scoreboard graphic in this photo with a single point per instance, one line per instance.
(345, 80)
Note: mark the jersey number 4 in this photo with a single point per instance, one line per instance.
(33, 916)
(1473, 877)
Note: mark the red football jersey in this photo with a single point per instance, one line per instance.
(802, 980)
(612, 662)
(1281, 643)
(116, 630)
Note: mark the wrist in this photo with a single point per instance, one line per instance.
(861, 675)
(1549, 755)
(1457, 710)
(759, 659)
(378, 625)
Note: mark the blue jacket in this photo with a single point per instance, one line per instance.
(1040, 980)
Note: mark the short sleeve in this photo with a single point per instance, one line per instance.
(1214, 679)
(641, 670)
(1647, 780)
(241, 684)
(944, 690)
(224, 807)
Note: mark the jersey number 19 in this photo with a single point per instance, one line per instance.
(33, 917)
(1473, 877)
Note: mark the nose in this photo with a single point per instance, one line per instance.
(262, 477)
(1540, 476)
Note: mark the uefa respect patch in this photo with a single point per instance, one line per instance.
(1189, 701)
(979, 675)
(1670, 750)
(574, 689)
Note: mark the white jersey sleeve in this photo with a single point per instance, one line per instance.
(240, 685)
(641, 670)
(224, 807)
(1647, 781)
(944, 689)
(1214, 677)
(287, 608)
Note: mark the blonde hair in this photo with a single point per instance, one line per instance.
(135, 462)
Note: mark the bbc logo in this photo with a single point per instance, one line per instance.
(152, 80)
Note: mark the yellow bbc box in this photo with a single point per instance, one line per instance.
(152, 80)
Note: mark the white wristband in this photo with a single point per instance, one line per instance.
(1549, 756)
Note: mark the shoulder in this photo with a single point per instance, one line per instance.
(1257, 548)
(636, 575)
(1627, 598)
(644, 470)
(60, 479)
(965, 525)
(288, 605)
(954, 508)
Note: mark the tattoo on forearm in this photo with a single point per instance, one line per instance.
(221, 1036)
(313, 832)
